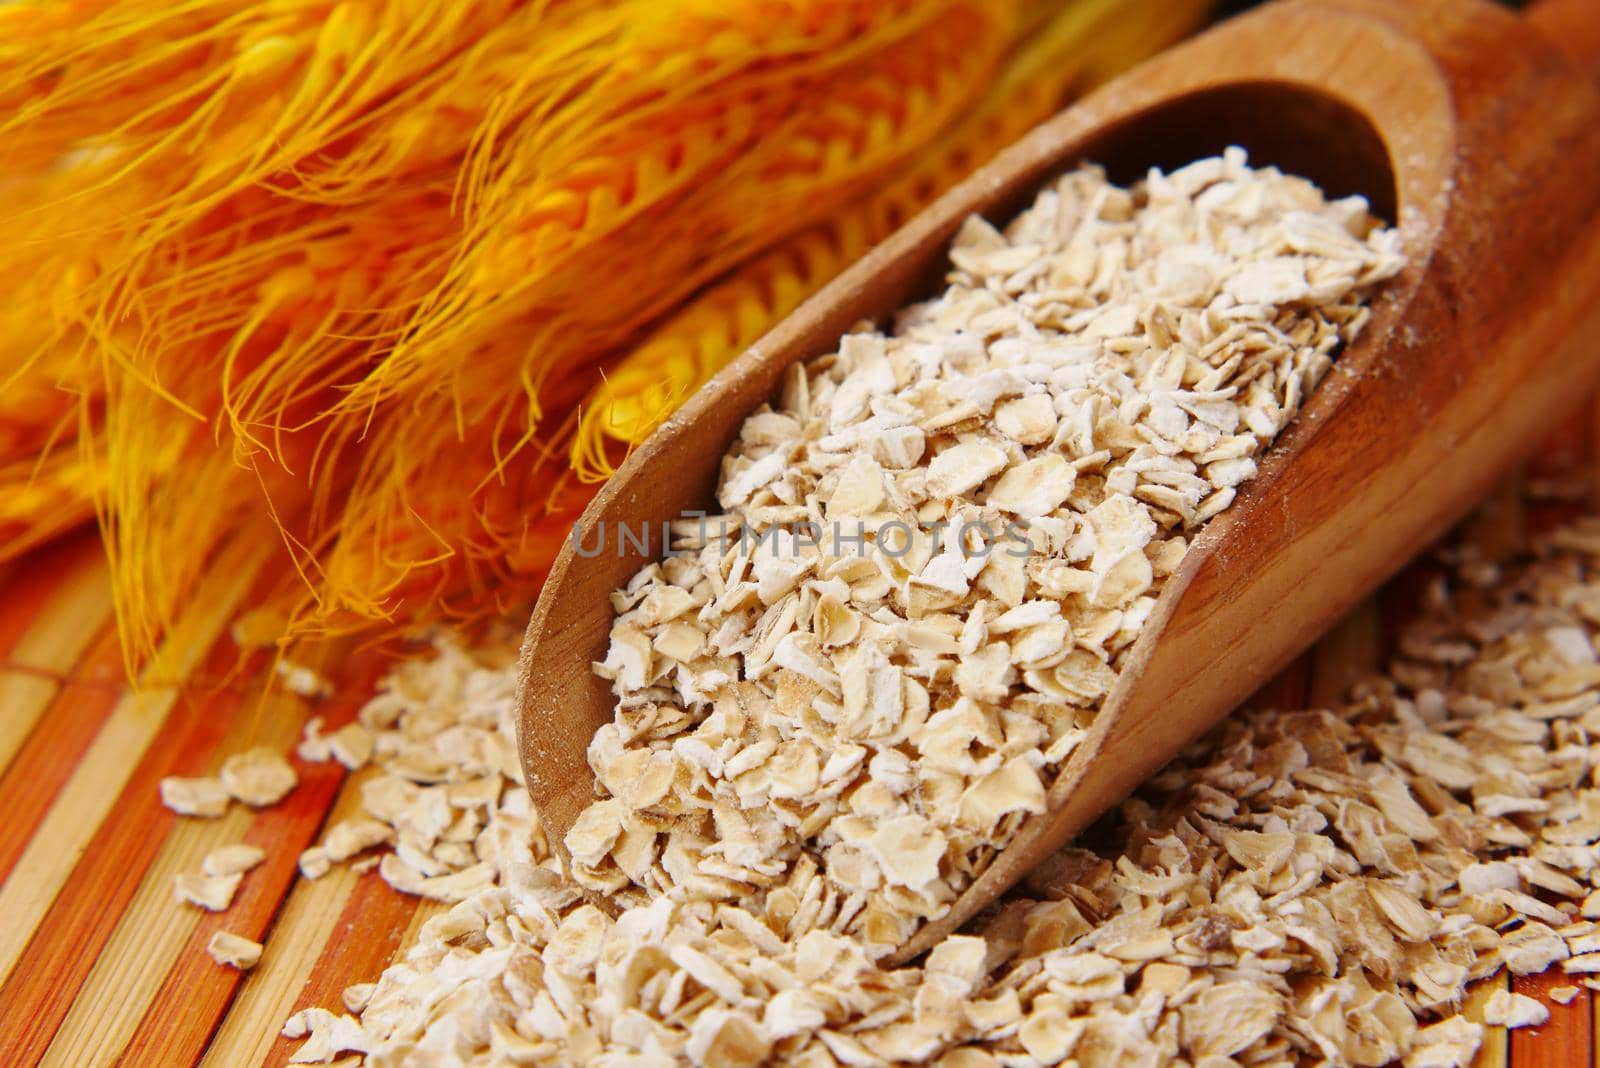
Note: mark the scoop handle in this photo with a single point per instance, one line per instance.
(1572, 26)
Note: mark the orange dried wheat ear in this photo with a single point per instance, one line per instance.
(663, 146)
(329, 279)
(571, 315)
(1074, 47)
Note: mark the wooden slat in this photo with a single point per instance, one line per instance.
(84, 799)
(307, 921)
(33, 584)
(1563, 1041)
(1346, 655)
(24, 697)
(46, 759)
(1495, 1052)
(85, 861)
(312, 919)
(183, 1014)
(102, 664)
(367, 936)
(27, 692)
(143, 941)
(79, 611)
(408, 934)
(1287, 689)
(74, 824)
(153, 930)
(1594, 1011)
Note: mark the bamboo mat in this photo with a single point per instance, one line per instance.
(98, 964)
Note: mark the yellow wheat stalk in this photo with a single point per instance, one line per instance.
(1075, 47)
(336, 276)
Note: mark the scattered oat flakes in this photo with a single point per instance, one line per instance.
(205, 797)
(313, 743)
(326, 1035)
(314, 862)
(357, 995)
(301, 680)
(1451, 1043)
(211, 892)
(351, 745)
(234, 951)
(348, 837)
(232, 859)
(258, 777)
(1507, 1009)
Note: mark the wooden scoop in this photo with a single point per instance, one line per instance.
(1476, 132)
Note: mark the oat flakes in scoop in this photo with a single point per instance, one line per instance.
(935, 549)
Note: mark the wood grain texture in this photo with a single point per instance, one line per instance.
(25, 696)
(1567, 1037)
(1495, 1051)
(37, 585)
(66, 720)
(1444, 113)
(79, 615)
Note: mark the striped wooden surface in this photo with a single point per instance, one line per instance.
(99, 966)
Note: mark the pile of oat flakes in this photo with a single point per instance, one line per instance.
(935, 550)
(1316, 884)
